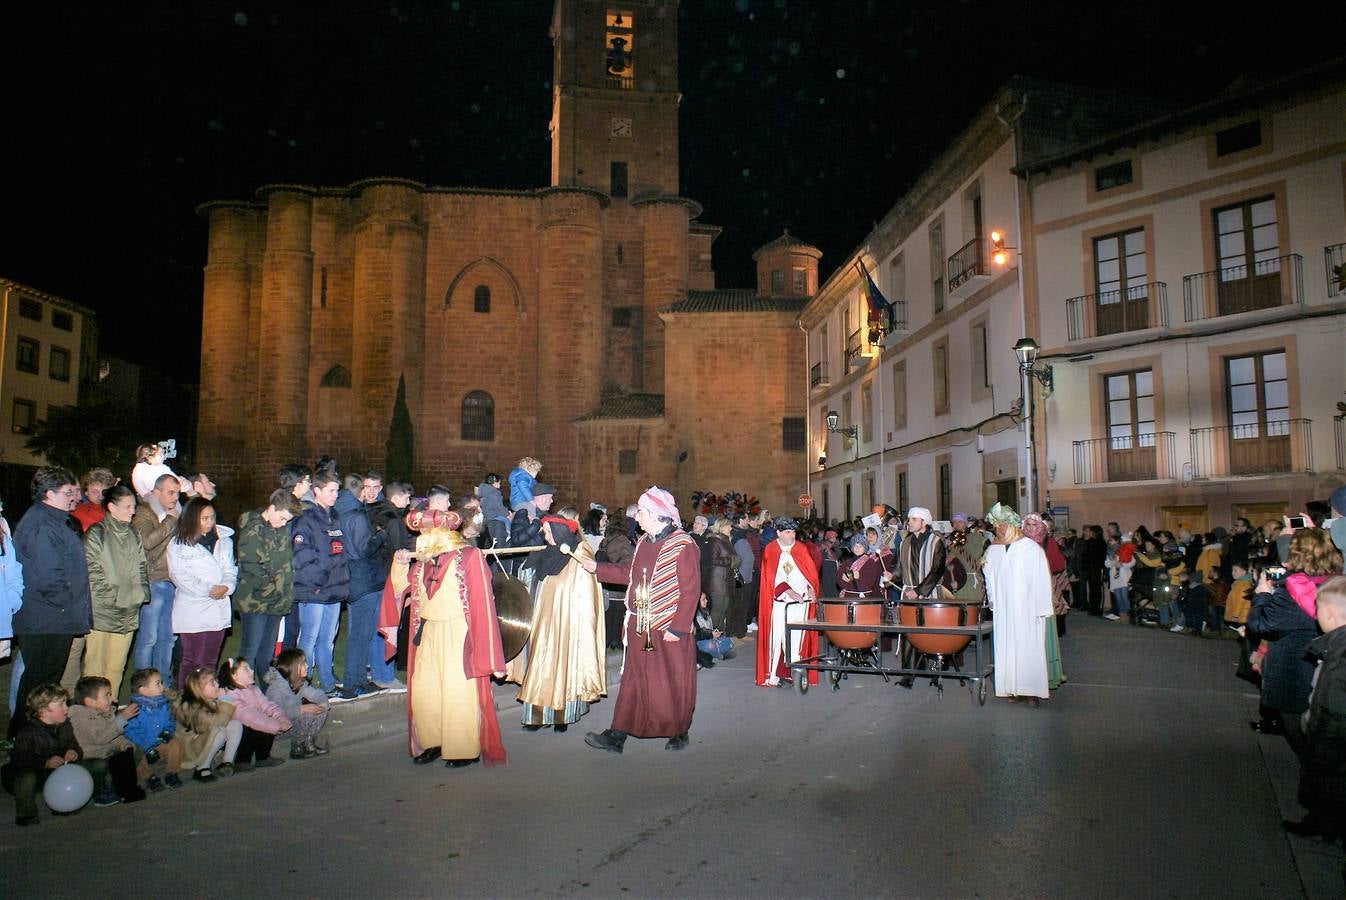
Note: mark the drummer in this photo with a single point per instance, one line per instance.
(920, 564)
(868, 573)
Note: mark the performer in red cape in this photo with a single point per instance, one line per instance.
(658, 690)
(788, 590)
(455, 644)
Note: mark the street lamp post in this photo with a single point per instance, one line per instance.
(1027, 352)
(851, 431)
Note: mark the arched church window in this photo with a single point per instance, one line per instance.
(481, 299)
(338, 376)
(478, 419)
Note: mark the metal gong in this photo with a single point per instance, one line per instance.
(514, 610)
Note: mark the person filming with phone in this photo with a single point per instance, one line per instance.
(1283, 614)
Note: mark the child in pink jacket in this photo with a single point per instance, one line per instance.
(262, 720)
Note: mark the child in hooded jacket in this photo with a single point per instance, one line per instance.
(262, 719)
(153, 730)
(300, 702)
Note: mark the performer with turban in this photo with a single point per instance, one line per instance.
(658, 689)
(920, 566)
(455, 644)
(788, 590)
(1019, 590)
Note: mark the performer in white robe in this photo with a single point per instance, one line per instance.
(1019, 591)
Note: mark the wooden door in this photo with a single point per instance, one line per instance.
(1195, 519)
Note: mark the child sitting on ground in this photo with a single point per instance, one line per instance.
(42, 746)
(304, 705)
(152, 729)
(108, 755)
(521, 480)
(208, 727)
(262, 720)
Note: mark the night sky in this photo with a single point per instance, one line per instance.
(816, 116)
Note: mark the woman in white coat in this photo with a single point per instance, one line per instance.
(201, 566)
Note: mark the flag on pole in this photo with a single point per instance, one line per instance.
(880, 310)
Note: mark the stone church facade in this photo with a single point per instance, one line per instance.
(578, 323)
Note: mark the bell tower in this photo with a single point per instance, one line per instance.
(614, 122)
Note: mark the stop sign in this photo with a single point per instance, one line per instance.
(805, 501)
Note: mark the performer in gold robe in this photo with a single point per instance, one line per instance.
(566, 645)
(454, 647)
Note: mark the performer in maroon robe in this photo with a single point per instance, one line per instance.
(658, 689)
(788, 590)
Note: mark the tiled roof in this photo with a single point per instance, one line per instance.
(735, 300)
(786, 241)
(628, 406)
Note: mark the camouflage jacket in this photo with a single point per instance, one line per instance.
(265, 567)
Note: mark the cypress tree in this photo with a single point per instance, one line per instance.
(401, 444)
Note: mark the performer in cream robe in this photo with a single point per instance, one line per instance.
(567, 642)
(1019, 590)
(455, 645)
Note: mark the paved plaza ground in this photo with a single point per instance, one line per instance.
(1140, 778)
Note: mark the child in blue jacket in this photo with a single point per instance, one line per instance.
(153, 729)
(521, 480)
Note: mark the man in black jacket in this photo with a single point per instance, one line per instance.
(56, 606)
(1322, 752)
(526, 531)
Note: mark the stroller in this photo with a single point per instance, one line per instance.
(1147, 599)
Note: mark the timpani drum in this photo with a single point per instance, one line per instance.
(938, 614)
(851, 611)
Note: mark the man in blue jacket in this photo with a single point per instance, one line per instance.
(56, 607)
(321, 578)
(364, 562)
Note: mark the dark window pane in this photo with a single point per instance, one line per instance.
(792, 434)
(478, 417)
(1240, 137)
(481, 299)
(1112, 176)
(62, 320)
(25, 360)
(626, 462)
(30, 309)
(618, 187)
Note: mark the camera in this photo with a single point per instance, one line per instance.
(170, 448)
(1299, 522)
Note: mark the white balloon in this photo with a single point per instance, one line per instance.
(68, 788)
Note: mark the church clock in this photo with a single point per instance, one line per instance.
(621, 126)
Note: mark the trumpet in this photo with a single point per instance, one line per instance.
(640, 602)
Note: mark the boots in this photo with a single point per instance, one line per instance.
(610, 740)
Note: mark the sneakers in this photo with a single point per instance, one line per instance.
(107, 798)
(155, 784)
(343, 696)
(224, 770)
(172, 780)
(1176, 629)
(301, 751)
(752, 627)
(1111, 617)
(393, 686)
(316, 750)
(369, 689)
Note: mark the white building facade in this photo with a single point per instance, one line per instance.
(1183, 277)
(1191, 302)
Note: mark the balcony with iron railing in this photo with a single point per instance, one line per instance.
(1272, 448)
(968, 269)
(1229, 291)
(1141, 457)
(1115, 312)
(621, 83)
(854, 348)
(818, 377)
(1334, 258)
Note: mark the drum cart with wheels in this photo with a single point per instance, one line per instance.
(839, 664)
